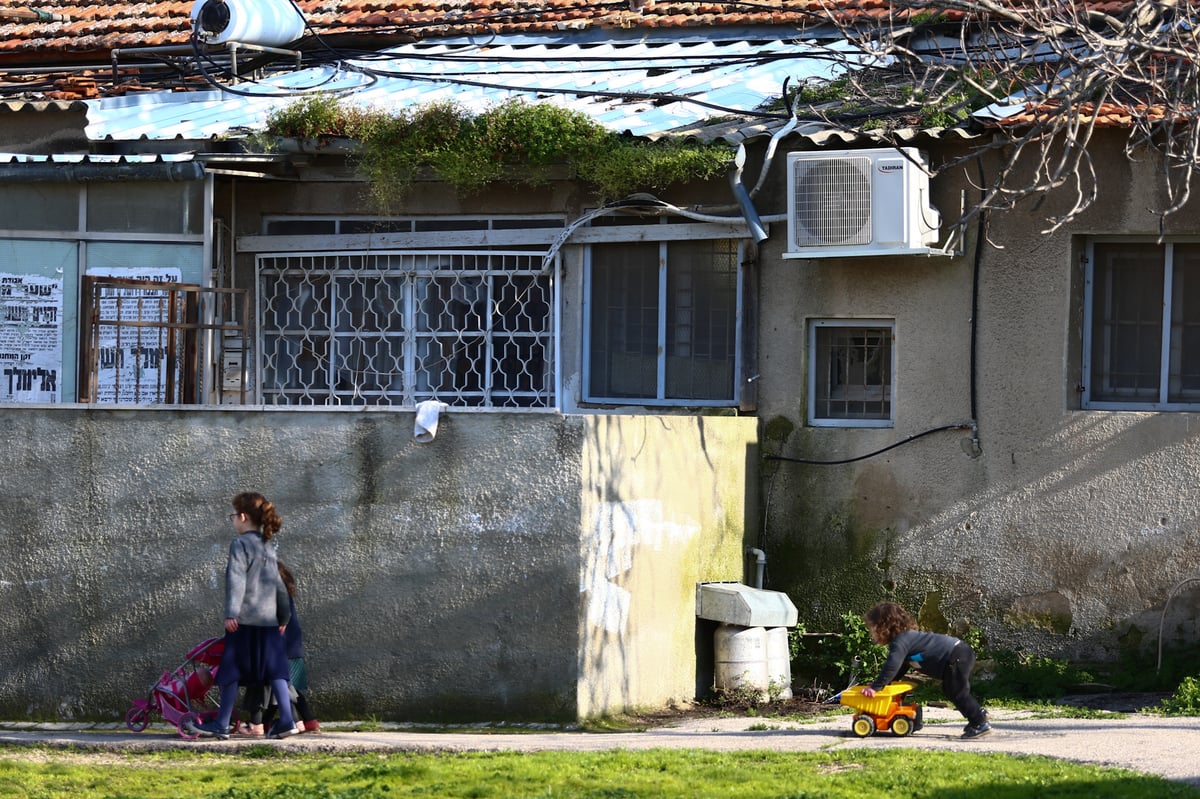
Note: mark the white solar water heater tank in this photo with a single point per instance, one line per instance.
(267, 23)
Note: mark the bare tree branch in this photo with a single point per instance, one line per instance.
(1046, 74)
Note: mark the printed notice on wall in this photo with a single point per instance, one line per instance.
(133, 359)
(30, 338)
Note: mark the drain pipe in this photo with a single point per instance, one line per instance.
(743, 198)
(760, 560)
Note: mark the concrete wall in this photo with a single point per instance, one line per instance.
(436, 582)
(664, 507)
(1067, 532)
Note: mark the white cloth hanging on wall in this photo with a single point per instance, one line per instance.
(426, 425)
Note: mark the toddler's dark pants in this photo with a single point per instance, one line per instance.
(956, 683)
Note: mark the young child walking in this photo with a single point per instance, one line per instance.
(293, 641)
(934, 654)
(257, 608)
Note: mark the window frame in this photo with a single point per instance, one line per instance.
(336, 329)
(660, 399)
(1087, 378)
(816, 324)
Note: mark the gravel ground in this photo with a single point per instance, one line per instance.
(1139, 741)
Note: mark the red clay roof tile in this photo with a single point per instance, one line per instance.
(98, 26)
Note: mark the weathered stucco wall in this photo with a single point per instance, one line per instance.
(1068, 529)
(438, 581)
(664, 503)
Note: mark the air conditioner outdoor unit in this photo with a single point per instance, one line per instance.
(846, 203)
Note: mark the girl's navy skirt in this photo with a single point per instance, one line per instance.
(253, 655)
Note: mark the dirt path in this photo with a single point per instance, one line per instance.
(1142, 742)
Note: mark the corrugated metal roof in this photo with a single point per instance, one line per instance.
(40, 106)
(94, 158)
(646, 87)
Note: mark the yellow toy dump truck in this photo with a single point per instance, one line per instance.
(885, 710)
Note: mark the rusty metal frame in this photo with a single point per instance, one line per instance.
(186, 322)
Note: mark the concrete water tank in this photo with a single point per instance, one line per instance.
(741, 658)
(779, 663)
(267, 23)
(751, 641)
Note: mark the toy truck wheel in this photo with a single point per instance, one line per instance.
(901, 726)
(863, 726)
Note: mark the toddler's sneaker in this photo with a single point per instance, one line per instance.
(279, 731)
(311, 726)
(977, 730)
(210, 729)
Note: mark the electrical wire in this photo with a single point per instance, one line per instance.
(201, 57)
(1163, 617)
(341, 58)
(913, 437)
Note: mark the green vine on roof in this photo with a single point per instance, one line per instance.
(514, 142)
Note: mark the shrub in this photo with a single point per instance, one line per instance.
(514, 142)
(1185, 701)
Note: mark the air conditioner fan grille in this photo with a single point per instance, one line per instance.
(832, 202)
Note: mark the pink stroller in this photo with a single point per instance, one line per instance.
(181, 696)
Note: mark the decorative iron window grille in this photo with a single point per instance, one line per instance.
(393, 328)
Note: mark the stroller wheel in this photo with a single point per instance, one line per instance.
(186, 721)
(137, 718)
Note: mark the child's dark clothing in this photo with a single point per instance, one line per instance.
(938, 656)
(293, 641)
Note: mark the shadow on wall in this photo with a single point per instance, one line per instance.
(1094, 513)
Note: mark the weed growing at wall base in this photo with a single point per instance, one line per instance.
(1185, 701)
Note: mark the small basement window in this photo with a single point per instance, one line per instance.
(851, 371)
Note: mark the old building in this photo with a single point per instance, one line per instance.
(628, 395)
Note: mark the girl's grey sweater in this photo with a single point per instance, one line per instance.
(254, 592)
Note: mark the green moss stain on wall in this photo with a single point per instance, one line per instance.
(1050, 611)
(840, 564)
(776, 431)
(827, 569)
(929, 615)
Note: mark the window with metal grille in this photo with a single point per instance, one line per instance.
(468, 328)
(662, 323)
(1142, 326)
(850, 372)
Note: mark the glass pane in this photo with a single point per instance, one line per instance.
(146, 207)
(854, 372)
(369, 370)
(1127, 317)
(300, 227)
(369, 302)
(295, 303)
(624, 322)
(373, 226)
(295, 364)
(40, 206)
(701, 319)
(1184, 377)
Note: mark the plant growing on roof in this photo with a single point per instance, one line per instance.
(514, 142)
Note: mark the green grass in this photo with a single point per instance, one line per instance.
(268, 773)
